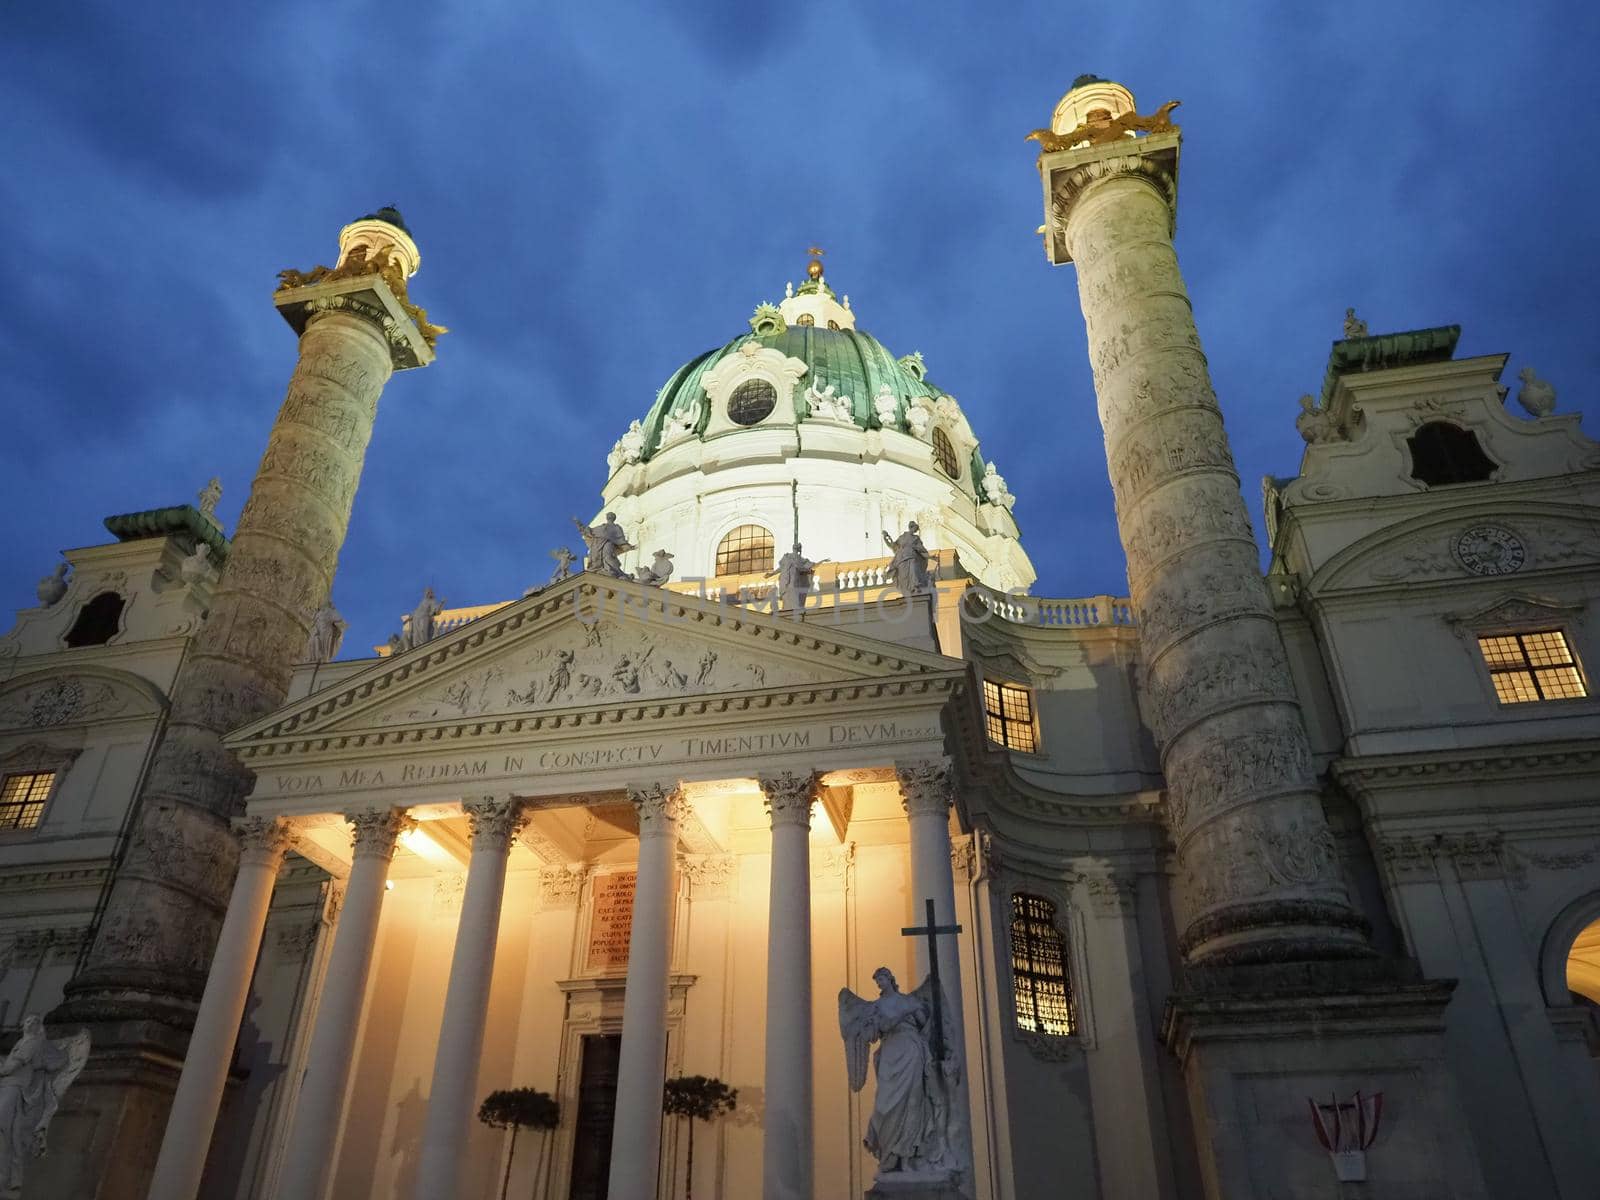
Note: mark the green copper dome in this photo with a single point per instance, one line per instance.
(853, 363)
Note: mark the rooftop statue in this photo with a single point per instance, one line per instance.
(912, 1132)
(208, 497)
(52, 587)
(658, 572)
(1100, 128)
(1535, 395)
(327, 634)
(1354, 326)
(824, 404)
(419, 623)
(909, 569)
(33, 1078)
(197, 566)
(887, 407)
(994, 487)
(1314, 423)
(795, 573)
(605, 543)
(564, 560)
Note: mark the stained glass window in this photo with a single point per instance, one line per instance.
(1039, 974)
(1532, 666)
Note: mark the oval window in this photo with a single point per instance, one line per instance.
(752, 401)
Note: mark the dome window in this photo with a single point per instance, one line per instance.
(744, 550)
(752, 402)
(1446, 453)
(944, 454)
(806, 319)
(834, 325)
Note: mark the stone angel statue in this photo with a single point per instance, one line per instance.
(912, 1132)
(605, 544)
(33, 1078)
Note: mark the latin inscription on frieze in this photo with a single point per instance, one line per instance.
(610, 922)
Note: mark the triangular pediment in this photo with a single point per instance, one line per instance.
(588, 646)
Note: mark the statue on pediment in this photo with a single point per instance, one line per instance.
(327, 634)
(605, 543)
(419, 624)
(795, 574)
(564, 560)
(52, 587)
(659, 570)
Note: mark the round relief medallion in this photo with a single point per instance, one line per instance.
(1490, 550)
(56, 703)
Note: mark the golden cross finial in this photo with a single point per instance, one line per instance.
(814, 267)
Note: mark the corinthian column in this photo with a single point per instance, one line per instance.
(216, 1027)
(1260, 877)
(452, 1100)
(786, 1163)
(641, 1069)
(319, 1107)
(145, 971)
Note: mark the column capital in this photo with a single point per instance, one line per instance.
(377, 830)
(264, 840)
(660, 806)
(1112, 893)
(494, 821)
(789, 797)
(926, 786)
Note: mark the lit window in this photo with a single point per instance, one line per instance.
(1532, 666)
(751, 401)
(748, 548)
(1039, 968)
(806, 319)
(1008, 716)
(944, 454)
(22, 799)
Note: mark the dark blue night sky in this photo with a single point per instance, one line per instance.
(601, 192)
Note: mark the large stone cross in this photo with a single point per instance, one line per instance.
(932, 930)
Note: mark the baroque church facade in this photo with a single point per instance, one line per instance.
(1253, 883)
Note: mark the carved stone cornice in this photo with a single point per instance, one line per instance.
(1476, 855)
(263, 841)
(927, 787)
(660, 807)
(789, 798)
(494, 822)
(377, 830)
(1368, 776)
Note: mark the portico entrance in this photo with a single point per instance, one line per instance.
(526, 882)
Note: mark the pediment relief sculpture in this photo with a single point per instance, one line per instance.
(591, 664)
(35, 702)
(1467, 547)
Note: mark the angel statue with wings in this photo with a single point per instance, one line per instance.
(33, 1078)
(911, 1132)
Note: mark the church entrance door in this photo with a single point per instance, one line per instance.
(597, 1106)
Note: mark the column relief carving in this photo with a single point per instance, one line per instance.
(963, 857)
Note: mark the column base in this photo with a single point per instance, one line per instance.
(915, 1185)
(1259, 1044)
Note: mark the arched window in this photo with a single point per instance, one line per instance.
(1039, 976)
(745, 549)
(1446, 453)
(97, 621)
(751, 402)
(806, 319)
(944, 454)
